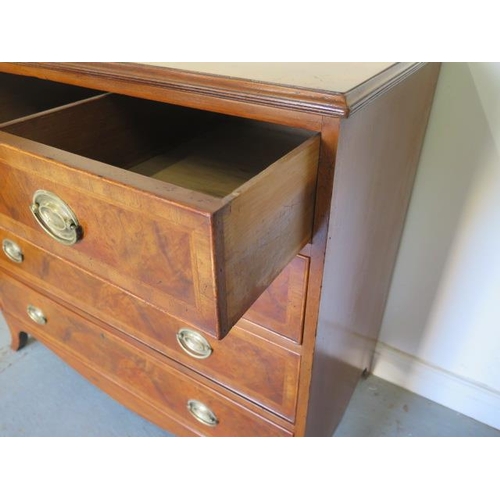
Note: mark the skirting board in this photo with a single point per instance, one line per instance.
(462, 395)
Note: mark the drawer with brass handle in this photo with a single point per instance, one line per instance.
(36, 315)
(55, 217)
(271, 381)
(195, 212)
(208, 243)
(12, 250)
(156, 387)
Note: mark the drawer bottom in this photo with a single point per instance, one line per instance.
(148, 383)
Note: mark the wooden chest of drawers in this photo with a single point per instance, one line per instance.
(213, 251)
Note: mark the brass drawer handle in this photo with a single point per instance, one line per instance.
(194, 344)
(36, 315)
(55, 217)
(202, 413)
(12, 250)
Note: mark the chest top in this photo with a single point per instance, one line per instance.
(327, 89)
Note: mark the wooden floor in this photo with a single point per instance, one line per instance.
(41, 396)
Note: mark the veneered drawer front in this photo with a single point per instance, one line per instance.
(137, 374)
(257, 368)
(202, 257)
(281, 307)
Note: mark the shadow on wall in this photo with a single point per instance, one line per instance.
(444, 302)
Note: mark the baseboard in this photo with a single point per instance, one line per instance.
(465, 396)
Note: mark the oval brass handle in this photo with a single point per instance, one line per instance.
(202, 413)
(55, 217)
(36, 315)
(12, 250)
(194, 344)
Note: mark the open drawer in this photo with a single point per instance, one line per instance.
(194, 212)
(21, 96)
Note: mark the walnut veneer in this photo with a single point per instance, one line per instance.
(214, 250)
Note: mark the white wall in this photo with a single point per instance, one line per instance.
(440, 335)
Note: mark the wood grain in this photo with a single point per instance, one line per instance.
(171, 81)
(174, 240)
(271, 381)
(330, 77)
(378, 153)
(307, 90)
(280, 308)
(263, 227)
(317, 250)
(220, 161)
(215, 238)
(142, 376)
(137, 81)
(181, 231)
(114, 129)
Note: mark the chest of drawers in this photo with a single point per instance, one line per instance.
(211, 245)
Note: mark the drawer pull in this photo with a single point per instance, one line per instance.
(55, 217)
(194, 344)
(36, 315)
(202, 413)
(12, 250)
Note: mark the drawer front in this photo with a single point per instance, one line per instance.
(281, 307)
(140, 375)
(155, 251)
(202, 257)
(270, 379)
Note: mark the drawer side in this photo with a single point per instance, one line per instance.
(263, 228)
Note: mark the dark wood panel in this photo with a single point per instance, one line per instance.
(115, 76)
(317, 249)
(139, 84)
(268, 221)
(281, 307)
(117, 130)
(182, 86)
(22, 96)
(378, 153)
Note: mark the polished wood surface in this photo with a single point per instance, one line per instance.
(323, 76)
(364, 238)
(242, 89)
(211, 244)
(133, 80)
(281, 307)
(271, 380)
(265, 225)
(322, 210)
(159, 231)
(212, 260)
(125, 364)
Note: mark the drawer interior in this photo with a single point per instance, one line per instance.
(201, 151)
(21, 96)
